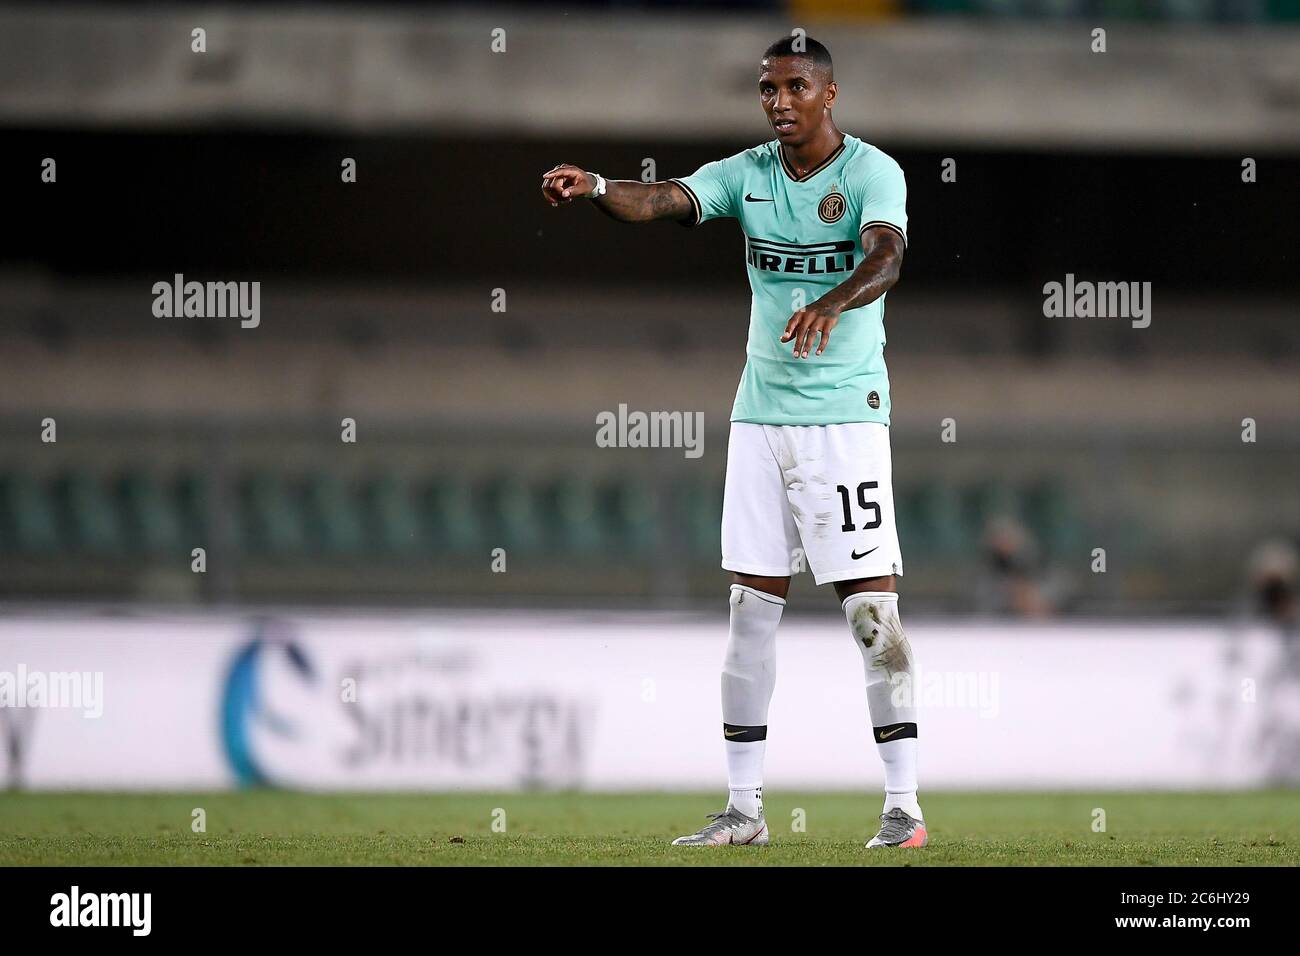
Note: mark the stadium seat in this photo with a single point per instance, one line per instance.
(631, 511)
(270, 519)
(1000, 8)
(193, 496)
(89, 513)
(1128, 10)
(932, 520)
(945, 6)
(511, 514)
(1051, 515)
(28, 519)
(700, 504)
(570, 510)
(984, 501)
(150, 516)
(1284, 10)
(391, 520)
(331, 514)
(1197, 11)
(448, 514)
(911, 528)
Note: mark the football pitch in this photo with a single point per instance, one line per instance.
(267, 828)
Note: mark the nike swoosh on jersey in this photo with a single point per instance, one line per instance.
(749, 197)
(854, 555)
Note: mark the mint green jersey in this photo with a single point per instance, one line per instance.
(803, 237)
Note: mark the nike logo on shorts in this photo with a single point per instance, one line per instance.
(855, 554)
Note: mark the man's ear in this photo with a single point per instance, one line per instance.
(831, 91)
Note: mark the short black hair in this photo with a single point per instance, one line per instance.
(811, 50)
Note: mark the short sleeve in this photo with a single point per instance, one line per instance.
(712, 190)
(884, 195)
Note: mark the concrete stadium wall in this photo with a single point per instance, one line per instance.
(631, 74)
(560, 353)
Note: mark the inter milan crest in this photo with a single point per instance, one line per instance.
(832, 208)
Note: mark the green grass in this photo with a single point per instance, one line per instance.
(275, 828)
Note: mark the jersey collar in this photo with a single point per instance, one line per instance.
(789, 170)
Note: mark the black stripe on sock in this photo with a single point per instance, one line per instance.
(885, 734)
(745, 735)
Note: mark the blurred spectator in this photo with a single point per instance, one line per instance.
(1013, 581)
(1264, 668)
(1274, 575)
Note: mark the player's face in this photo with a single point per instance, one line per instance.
(794, 97)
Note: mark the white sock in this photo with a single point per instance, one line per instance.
(907, 801)
(748, 678)
(748, 800)
(888, 664)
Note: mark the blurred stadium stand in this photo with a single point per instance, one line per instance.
(429, 69)
(476, 428)
(412, 514)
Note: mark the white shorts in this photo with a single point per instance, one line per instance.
(823, 492)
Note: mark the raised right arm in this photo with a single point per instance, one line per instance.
(625, 199)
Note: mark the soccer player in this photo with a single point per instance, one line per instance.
(808, 460)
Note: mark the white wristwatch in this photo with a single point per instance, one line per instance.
(600, 186)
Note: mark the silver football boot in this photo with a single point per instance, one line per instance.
(899, 828)
(728, 828)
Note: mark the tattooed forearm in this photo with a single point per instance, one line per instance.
(875, 276)
(630, 201)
